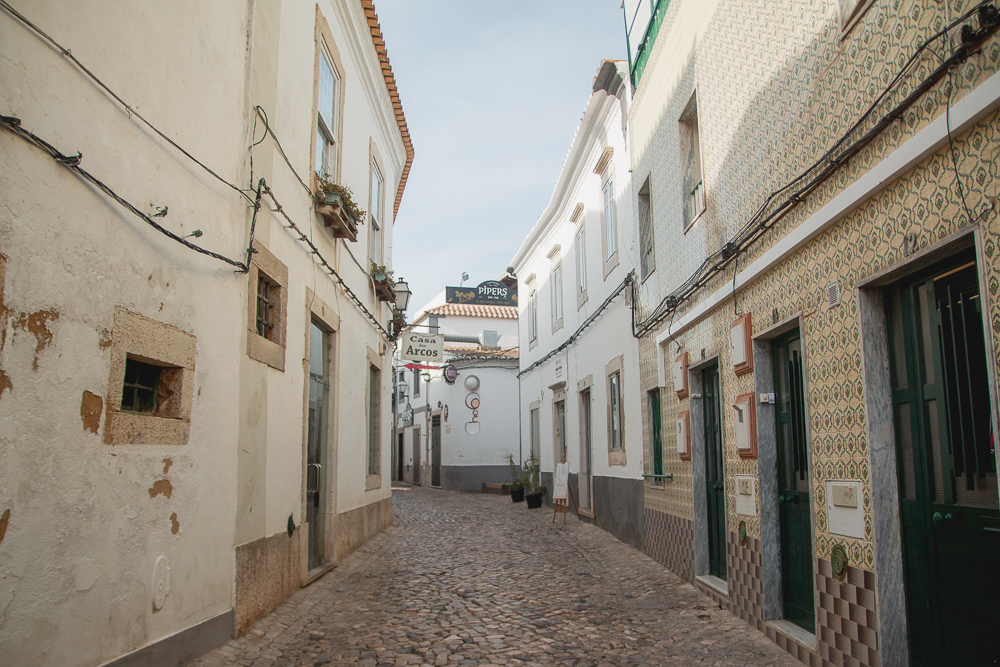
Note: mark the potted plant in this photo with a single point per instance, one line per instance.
(533, 490)
(336, 204)
(382, 277)
(515, 485)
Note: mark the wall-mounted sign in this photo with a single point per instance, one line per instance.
(417, 346)
(450, 374)
(489, 293)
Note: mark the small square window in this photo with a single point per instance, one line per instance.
(268, 302)
(139, 388)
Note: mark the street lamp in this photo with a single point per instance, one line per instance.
(402, 295)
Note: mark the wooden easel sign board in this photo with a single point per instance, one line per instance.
(561, 482)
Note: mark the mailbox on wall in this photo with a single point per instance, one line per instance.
(681, 375)
(684, 435)
(745, 425)
(740, 333)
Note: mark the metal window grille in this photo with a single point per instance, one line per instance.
(139, 389)
(267, 307)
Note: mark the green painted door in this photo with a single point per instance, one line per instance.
(794, 506)
(946, 466)
(656, 431)
(715, 486)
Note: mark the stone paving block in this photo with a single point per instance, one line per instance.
(466, 579)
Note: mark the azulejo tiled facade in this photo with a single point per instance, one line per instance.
(778, 84)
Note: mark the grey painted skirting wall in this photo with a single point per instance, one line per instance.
(471, 478)
(618, 509)
(183, 647)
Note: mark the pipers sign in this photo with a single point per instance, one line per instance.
(490, 293)
(417, 346)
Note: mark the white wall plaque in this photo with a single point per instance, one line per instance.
(844, 509)
(746, 499)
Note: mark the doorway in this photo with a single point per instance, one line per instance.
(586, 451)
(316, 494)
(399, 457)
(715, 487)
(656, 432)
(794, 501)
(436, 451)
(416, 455)
(946, 464)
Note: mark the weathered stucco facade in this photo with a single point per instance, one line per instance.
(811, 232)
(155, 444)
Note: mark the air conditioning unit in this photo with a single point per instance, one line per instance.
(489, 339)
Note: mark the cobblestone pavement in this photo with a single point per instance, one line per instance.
(465, 579)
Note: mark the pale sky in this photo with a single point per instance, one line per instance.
(493, 93)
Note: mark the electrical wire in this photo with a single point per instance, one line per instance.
(838, 155)
(72, 162)
(325, 264)
(128, 108)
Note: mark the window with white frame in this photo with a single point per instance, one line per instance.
(374, 418)
(326, 121)
(692, 185)
(581, 267)
(557, 296)
(536, 434)
(375, 214)
(533, 316)
(610, 223)
(615, 411)
(647, 258)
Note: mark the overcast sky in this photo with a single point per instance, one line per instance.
(493, 93)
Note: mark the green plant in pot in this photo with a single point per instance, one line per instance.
(531, 477)
(380, 273)
(516, 484)
(331, 192)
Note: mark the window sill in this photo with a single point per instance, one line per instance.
(265, 351)
(373, 482)
(698, 217)
(610, 264)
(126, 428)
(616, 458)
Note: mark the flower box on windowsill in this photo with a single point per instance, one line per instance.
(384, 288)
(331, 206)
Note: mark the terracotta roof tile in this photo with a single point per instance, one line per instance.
(390, 83)
(480, 353)
(467, 310)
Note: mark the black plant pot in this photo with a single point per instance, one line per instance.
(534, 500)
(517, 495)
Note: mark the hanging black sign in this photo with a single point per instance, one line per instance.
(489, 293)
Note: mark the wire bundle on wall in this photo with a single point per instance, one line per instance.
(868, 126)
(13, 124)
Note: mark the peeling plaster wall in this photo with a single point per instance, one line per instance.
(84, 523)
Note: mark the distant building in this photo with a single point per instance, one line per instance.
(456, 436)
(580, 398)
(189, 438)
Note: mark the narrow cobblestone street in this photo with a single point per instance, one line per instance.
(477, 580)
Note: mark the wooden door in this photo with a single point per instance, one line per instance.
(946, 466)
(715, 486)
(794, 500)
(656, 431)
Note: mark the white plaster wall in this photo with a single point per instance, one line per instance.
(607, 337)
(76, 562)
(279, 397)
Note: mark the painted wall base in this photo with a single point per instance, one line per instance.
(357, 526)
(470, 479)
(267, 574)
(183, 647)
(618, 507)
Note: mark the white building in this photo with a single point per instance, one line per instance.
(457, 436)
(580, 400)
(180, 444)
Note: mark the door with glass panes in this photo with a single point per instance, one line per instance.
(715, 476)
(317, 495)
(946, 465)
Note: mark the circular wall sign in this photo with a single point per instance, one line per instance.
(838, 558)
(743, 533)
(450, 374)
